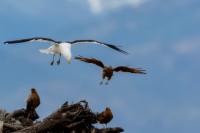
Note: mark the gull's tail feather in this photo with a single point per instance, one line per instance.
(45, 51)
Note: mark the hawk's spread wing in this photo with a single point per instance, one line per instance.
(129, 69)
(90, 60)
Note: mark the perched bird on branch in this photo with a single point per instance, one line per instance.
(32, 102)
(62, 47)
(105, 116)
(108, 70)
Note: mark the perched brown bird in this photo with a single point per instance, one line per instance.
(33, 102)
(108, 70)
(105, 116)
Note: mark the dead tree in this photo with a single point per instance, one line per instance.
(74, 118)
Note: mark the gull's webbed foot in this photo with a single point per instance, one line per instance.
(51, 63)
(58, 62)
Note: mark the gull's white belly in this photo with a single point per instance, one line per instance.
(63, 48)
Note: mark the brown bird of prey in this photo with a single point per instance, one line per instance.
(105, 116)
(108, 70)
(33, 102)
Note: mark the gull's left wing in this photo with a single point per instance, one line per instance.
(37, 39)
(98, 42)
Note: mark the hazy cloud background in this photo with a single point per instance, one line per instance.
(161, 37)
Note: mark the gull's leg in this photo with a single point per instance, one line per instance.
(58, 62)
(52, 62)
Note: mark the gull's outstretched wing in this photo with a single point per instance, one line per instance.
(101, 43)
(38, 39)
(90, 60)
(129, 69)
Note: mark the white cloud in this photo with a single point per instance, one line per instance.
(98, 6)
(101, 29)
(95, 6)
(188, 46)
(145, 49)
(33, 7)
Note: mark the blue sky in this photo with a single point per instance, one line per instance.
(161, 37)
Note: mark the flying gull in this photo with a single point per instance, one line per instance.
(62, 47)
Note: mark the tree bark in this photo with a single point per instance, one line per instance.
(75, 118)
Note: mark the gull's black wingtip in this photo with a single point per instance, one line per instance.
(7, 42)
(124, 52)
(121, 51)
